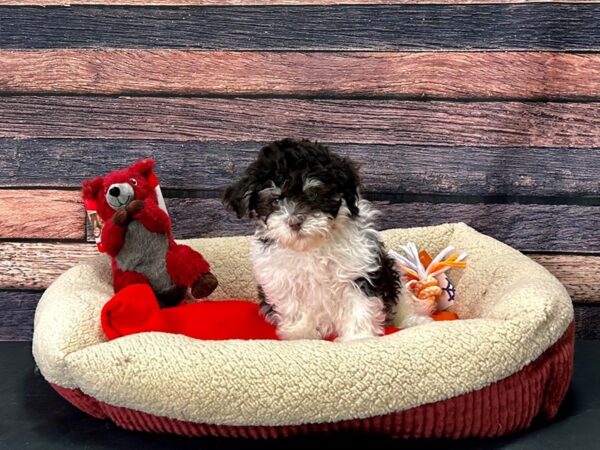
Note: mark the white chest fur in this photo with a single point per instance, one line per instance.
(311, 291)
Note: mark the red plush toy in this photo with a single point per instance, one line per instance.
(135, 310)
(136, 233)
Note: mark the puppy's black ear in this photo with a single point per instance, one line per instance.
(237, 197)
(351, 185)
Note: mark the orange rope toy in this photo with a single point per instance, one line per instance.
(426, 279)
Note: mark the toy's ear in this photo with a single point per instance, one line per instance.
(92, 187)
(144, 167)
(237, 197)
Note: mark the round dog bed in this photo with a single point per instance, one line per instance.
(507, 361)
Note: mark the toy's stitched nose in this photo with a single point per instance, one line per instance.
(114, 191)
(295, 222)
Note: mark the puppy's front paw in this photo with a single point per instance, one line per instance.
(355, 337)
(296, 332)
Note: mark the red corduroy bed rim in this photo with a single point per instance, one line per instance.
(504, 407)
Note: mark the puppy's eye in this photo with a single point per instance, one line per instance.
(133, 181)
(275, 202)
(313, 195)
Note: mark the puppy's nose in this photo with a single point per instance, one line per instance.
(114, 191)
(295, 222)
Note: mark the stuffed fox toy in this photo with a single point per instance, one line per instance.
(136, 234)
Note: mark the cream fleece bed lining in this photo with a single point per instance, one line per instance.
(513, 310)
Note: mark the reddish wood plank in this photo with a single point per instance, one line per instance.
(517, 75)
(580, 274)
(42, 214)
(492, 124)
(36, 265)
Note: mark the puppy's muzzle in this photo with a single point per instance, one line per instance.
(295, 222)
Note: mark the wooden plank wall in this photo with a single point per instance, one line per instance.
(486, 112)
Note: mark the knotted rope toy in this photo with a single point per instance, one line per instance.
(425, 277)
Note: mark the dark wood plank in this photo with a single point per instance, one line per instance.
(527, 227)
(514, 75)
(479, 171)
(17, 309)
(566, 227)
(489, 124)
(42, 214)
(346, 27)
(587, 321)
(266, 2)
(581, 274)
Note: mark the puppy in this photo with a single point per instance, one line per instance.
(317, 258)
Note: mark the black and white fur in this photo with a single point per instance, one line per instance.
(318, 261)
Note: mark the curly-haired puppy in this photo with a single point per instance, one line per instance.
(320, 266)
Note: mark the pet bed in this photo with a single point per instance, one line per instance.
(506, 362)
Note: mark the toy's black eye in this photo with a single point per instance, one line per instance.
(133, 181)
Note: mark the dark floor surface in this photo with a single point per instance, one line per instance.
(33, 416)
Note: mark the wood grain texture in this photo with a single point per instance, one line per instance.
(17, 309)
(35, 266)
(515, 75)
(485, 124)
(564, 227)
(41, 214)
(550, 26)
(270, 2)
(587, 321)
(479, 171)
(581, 274)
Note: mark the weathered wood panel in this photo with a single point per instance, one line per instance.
(489, 124)
(269, 2)
(581, 274)
(41, 214)
(347, 27)
(479, 171)
(527, 227)
(17, 309)
(34, 265)
(587, 321)
(566, 227)
(516, 75)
